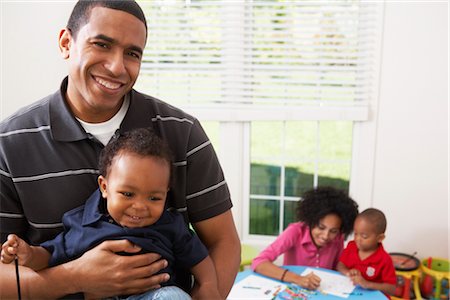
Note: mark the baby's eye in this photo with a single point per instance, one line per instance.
(127, 194)
(154, 198)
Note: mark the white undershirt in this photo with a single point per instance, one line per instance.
(104, 131)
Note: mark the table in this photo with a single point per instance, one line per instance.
(357, 294)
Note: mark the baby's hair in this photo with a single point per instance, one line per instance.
(316, 203)
(141, 141)
(375, 217)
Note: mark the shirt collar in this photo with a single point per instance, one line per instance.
(92, 212)
(139, 114)
(63, 125)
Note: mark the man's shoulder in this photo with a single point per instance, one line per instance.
(32, 115)
(160, 107)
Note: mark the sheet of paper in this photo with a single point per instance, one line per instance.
(255, 287)
(331, 283)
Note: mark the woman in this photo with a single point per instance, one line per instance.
(326, 217)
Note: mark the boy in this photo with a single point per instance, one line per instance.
(130, 204)
(364, 259)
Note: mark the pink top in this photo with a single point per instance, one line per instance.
(299, 249)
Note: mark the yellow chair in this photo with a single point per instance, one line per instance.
(439, 270)
(410, 276)
(248, 253)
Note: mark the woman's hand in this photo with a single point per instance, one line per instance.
(310, 281)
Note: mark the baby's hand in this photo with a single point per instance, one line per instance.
(15, 247)
(9, 249)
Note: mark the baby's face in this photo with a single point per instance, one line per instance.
(366, 237)
(136, 189)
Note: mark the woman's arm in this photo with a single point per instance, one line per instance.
(267, 268)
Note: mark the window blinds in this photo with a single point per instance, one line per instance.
(249, 57)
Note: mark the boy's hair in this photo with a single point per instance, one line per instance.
(316, 203)
(375, 217)
(141, 141)
(82, 12)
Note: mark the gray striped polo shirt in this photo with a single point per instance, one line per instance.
(48, 164)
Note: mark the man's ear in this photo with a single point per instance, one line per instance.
(102, 184)
(65, 42)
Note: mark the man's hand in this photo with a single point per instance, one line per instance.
(101, 272)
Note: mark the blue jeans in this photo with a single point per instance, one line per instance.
(163, 293)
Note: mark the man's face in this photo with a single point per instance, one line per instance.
(104, 62)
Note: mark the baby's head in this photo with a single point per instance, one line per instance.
(135, 171)
(328, 212)
(369, 229)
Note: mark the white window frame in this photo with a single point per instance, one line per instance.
(234, 132)
(235, 156)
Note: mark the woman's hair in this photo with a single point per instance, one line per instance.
(316, 203)
(141, 141)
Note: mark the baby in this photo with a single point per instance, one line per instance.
(135, 171)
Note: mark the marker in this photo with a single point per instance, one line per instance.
(252, 287)
(354, 293)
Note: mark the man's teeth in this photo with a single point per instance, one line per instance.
(108, 84)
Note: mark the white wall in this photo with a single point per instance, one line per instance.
(410, 178)
(411, 158)
(31, 67)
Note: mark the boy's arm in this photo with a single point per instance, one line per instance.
(205, 280)
(342, 268)
(386, 288)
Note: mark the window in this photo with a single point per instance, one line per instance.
(278, 85)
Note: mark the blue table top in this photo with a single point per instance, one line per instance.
(357, 294)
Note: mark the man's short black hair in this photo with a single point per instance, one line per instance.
(82, 11)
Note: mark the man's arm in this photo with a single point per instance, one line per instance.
(205, 280)
(99, 273)
(220, 237)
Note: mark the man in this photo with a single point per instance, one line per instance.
(49, 153)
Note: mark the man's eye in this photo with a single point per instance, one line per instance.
(134, 55)
(100, 44)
